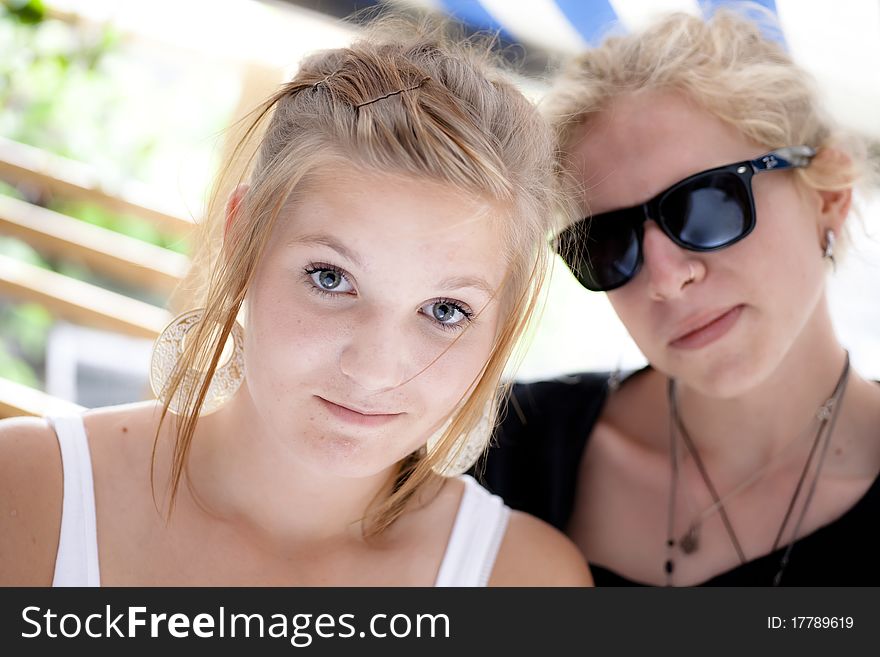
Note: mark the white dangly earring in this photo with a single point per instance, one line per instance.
(467, 448)
(828, 253)
(167, 350)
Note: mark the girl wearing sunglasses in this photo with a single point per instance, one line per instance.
(715, 194)
(383, 249)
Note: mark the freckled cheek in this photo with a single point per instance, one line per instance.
(452, 374)
(288, 340)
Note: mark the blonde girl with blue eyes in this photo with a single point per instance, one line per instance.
(383, 252)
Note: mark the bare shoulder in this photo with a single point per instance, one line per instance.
(30, 501)
(121, 433)
(121, 442)
(645, 391)
(535, 554)
(32, 482)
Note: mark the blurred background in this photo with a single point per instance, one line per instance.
(113, 118)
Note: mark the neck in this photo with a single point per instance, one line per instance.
(243, 475)
(747, 429)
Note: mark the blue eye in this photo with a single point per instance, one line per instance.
(448, 314)
(329, 279)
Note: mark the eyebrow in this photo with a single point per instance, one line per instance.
(330, 242)
(458, 282)
(453, 283)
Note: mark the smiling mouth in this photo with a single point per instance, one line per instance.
(355, 416)
(708, 332)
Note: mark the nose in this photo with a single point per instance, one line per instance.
(668, 267)
(375, 355)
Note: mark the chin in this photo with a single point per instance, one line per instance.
(347, 456)
(341, 456)
(726, 374)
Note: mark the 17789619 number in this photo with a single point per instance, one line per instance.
(810, 622)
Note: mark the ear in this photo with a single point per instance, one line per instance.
(232, 207)
(833, 205)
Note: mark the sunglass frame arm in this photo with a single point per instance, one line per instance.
(790, 157)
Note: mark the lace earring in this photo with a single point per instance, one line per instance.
(167, 351)
(467, 448)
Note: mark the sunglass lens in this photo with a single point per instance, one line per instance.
(602, 251)
(708, 213)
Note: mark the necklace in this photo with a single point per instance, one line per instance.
(689, 542)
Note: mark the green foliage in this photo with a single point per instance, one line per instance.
(26, 328)
(9, 246)
(31, 323)
(23, 327)
(29, 12)
(10, 190)
(16, 369)
(126, 109)
(55, 96)
(136, 227)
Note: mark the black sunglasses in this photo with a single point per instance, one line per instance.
(707, 211)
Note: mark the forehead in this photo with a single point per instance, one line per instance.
(642, 143)
(386, 216)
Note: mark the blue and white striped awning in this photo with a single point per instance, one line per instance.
(838, 42)
(568, 25)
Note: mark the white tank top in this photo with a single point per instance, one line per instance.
(470, 555)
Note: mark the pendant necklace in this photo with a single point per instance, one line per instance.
(689, 542)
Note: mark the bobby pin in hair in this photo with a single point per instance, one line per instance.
(393, 93)
(325, 79)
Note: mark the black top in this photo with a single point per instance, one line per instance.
(535, 464)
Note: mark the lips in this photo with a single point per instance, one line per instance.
(358, 416)
(706, 329)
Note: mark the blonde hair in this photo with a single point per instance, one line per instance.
(726, 65)
(422, 105)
